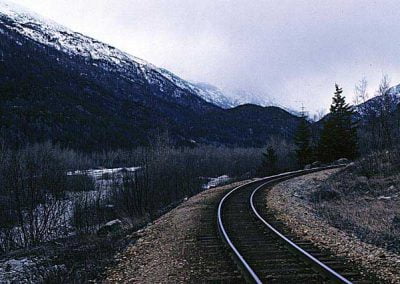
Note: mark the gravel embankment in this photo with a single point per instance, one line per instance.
(170, 250)
(290, 201)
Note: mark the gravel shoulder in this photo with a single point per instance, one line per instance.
(290, 201)
(177, 247)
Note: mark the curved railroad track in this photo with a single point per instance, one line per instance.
(265, 250)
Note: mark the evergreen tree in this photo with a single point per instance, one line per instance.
(270, 159)
(338, 137)
(302, 141)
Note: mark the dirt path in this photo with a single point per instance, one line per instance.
(181, 246)
(290, 201)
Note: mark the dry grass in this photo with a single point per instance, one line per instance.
(291, 202)
(363, 200)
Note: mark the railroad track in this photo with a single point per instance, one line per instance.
(264, 248)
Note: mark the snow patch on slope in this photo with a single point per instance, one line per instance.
(394, 91)
(214, 182)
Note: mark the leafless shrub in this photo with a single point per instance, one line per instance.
(361, 95)
(33, 181)
(379, 122)
(382, 163)
(39, 201)
(88, 213)
(80, 183)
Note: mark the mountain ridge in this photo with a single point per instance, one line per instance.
(82, 93)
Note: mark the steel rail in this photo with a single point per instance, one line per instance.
(243, 264)
(329, 271)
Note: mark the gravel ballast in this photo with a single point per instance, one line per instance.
(290, 201)
(173, 249)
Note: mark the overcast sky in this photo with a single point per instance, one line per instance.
(289, 51)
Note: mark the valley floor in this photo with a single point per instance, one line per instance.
(291, 201)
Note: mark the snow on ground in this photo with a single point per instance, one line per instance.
(105, 180)
(105, 177)
(98, 173)
(27, 270)
(214, 182)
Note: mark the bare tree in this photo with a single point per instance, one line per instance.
(366, 110)
(361, 95)
(33, 181)
(386, 107)
(377, 115)
(40, 202)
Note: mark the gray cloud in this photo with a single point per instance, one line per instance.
(289, 51)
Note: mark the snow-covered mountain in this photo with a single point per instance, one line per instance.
(54, 35)
(233, 97)
(241, 96)
(206, 91)
(50, 33)
(62, 86)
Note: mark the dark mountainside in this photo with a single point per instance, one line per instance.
(250, 125)
(92, 103)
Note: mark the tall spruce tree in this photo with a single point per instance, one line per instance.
(302, 141)
(339, 136)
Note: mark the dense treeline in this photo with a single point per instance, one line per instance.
(333, 137)
(350, 131)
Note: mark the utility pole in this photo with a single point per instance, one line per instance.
(303, 112)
